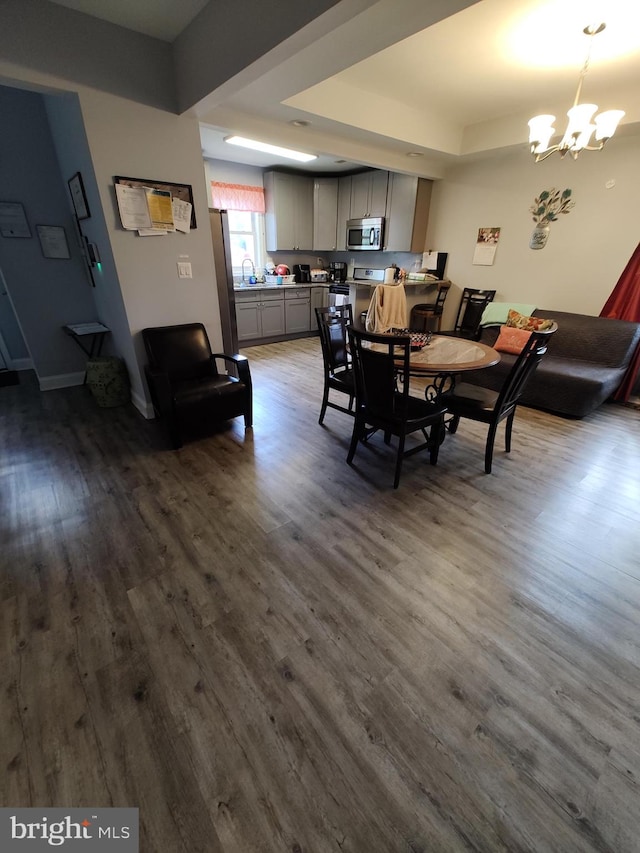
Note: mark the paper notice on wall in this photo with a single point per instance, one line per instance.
(181, 214)
(132, 204)
(151, 232)
(486, 245)
(429, 260)
(160, 210)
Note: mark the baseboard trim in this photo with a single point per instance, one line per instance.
(62, 380)
(21, 364)
(145, 409)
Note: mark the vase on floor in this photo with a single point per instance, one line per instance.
(539, 237)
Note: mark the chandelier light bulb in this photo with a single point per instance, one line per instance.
(581, 125)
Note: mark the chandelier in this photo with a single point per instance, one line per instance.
(580, 128)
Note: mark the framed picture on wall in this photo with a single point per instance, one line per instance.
(78, 196)
(13, 220)
(53, 241)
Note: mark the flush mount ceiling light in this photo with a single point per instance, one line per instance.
(579, 130)
(255, 145)
(298, 122)
(415, 154)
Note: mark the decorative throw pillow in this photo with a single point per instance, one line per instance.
(495, 314)
(530, 324)
(512, 340)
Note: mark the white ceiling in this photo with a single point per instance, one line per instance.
(390, 82)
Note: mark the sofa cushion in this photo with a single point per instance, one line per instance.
(602, 341)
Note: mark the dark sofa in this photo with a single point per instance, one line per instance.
(585, 362)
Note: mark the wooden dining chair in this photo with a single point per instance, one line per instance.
(492, 407)
(381, 368)
(470, 310)
(338, 374)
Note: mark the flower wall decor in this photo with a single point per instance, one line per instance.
(546, 208)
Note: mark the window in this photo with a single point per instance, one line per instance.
(246, 236)
(245, 207)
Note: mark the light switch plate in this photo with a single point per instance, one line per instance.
(184, 270)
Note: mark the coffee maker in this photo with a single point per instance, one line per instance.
(337, 271)
(302, 273)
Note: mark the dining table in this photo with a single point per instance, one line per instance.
(445, 357)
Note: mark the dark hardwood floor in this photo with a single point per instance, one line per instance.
(266, 650)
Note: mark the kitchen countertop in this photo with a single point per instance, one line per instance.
(406, 282)
(242, 288)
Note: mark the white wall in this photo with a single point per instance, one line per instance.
(232, 173)
(587, 248)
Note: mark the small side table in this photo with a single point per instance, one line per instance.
(88, 336)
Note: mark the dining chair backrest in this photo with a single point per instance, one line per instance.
(471, 308)
(523, 368)
(332, 326)
(443, 290)
(377, 360)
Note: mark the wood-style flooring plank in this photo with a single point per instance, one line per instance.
(265, 649)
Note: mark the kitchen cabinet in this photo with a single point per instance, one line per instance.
(259, 314)
(297, 303)
(289, 211)
(407, 216)
(344, 212)
(368, 194)
(319, 299)
(325, 214)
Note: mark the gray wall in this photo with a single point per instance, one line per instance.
(46, 293)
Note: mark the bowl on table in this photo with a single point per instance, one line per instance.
(419, 340)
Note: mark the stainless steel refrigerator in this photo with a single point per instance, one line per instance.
(224, 278)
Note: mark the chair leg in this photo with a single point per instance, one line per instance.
(399, 459)
(453, 424)
(355, 437)
(435, 440)
(488, 453)
(325, 400)
(507, 434)
(174, 435)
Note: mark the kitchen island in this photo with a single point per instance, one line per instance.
(417, 292)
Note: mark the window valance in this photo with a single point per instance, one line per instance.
(237, 197)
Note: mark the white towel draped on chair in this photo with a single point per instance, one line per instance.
(387, 309)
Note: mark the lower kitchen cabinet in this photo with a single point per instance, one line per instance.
(278, 313)
(319, 299)
(260, 316)
(297, 304)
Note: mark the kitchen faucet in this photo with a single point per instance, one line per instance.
(253, 269)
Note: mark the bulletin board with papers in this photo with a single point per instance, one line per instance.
(154, 208)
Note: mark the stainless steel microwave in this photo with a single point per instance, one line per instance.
(365, 234)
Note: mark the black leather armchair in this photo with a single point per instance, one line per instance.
(185, 383)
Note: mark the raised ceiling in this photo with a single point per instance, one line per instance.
(394, 81)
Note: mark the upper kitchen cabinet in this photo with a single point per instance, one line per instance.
(344, 212)
(289, 211)
(408, 201)
(368, 194)
(325, 214)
